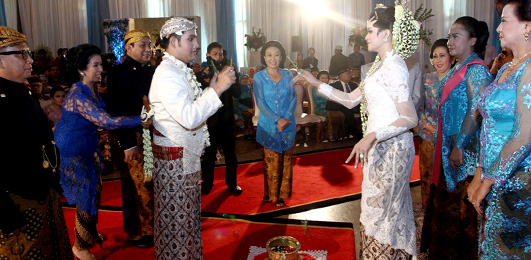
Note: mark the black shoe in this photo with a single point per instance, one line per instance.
(144, 242)
(236, 190)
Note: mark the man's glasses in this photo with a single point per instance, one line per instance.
(25, 53)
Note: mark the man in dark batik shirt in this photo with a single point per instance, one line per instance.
(127, 84)
(32, 224)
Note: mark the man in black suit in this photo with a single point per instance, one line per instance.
(127, 84)
(221, 130)
(343, 122)
(338, 62)
(310, 62)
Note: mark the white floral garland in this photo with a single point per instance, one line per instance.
(196, 87)
(148, 150)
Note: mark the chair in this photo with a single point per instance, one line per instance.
(303, 119)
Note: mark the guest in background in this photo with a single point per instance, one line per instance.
(179, 137)
(338, 62)
(442, 62)
(505, 140)
(276, 99)
(450, 229)
(35, 86)
(505, 56)
(196, 67)
(76, 135)
(32, 225)
(244, 107)
(338, 114)
(356, 58)
(314, 71)
(310, 61)
(251, 71)
(128, 83)
(318, 100)
(55, 78)
(53, 110)
(41, 61)
(221, 130)
(300, 60)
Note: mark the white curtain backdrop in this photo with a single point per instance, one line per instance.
(279, 19)
(119, 9)
(334, 28)
(55, 23)
(63, 23)
(11, 13)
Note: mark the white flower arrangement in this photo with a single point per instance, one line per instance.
(148, 150)
(406, 32)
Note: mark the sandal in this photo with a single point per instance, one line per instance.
(280, 203)
(266, 199)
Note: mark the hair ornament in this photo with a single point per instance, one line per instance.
(406, 31)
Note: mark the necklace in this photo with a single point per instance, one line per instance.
(46, 163)
(513, 64)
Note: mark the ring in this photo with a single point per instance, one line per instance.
(473, 203)
(361, 156)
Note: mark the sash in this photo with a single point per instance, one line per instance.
(450, 85)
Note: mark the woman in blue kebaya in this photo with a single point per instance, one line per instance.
(505, 140)
(83, 112)
(276, 99)
(450, 224)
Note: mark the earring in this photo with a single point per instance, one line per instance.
(526, 36)
(386, 40)
(82, 74)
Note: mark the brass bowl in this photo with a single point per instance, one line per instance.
(283, 241)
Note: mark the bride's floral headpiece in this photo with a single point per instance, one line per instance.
(177, 25)
(406, 31)
(406, 41)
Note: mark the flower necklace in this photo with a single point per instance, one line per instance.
(194, 84)
(146, 143)
(513, 64)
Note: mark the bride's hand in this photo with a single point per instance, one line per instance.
(361, 150)
(305, 77)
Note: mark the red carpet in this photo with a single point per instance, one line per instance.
(317, 177)
(228, 239)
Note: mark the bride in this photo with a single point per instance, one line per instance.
(387, 151)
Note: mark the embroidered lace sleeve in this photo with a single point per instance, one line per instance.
(479, 78)
(258, 89)
(395, 82)
(97, 115)
(348, 100)
(518, 146)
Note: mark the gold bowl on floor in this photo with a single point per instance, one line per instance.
(283, 248)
